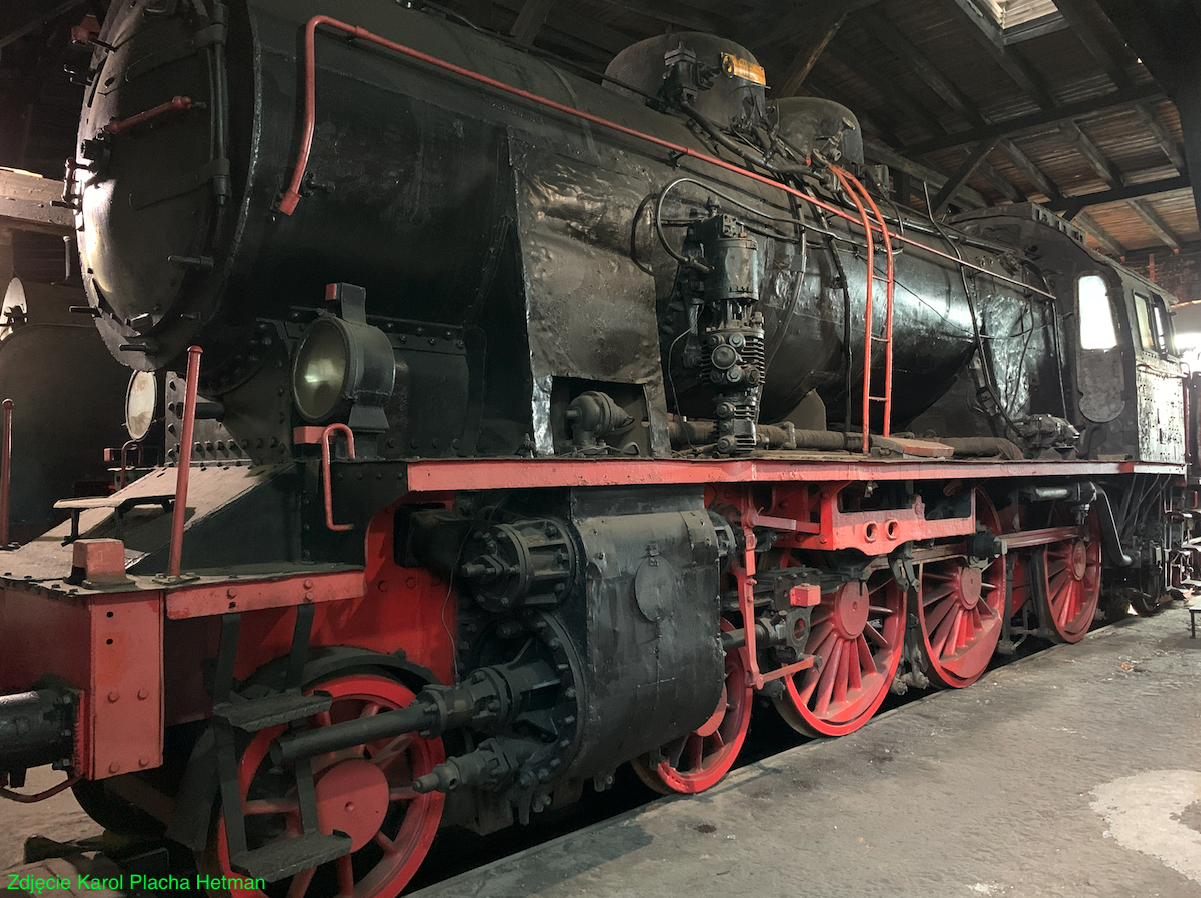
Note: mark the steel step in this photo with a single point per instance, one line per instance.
(280, 860)
(257, 714)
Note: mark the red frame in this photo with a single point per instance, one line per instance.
(383, 607)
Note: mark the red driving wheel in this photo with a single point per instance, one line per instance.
(858, 632)
(365, 791)
(1071, 579)
(700, 760)
(960, 609)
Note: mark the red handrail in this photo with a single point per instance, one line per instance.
(326, 477)
(867, 314)
(184, 462)
(6, 472)
(848, 182)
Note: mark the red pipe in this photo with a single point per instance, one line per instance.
(291, 197)
(123, 125)
(867, 315)
(6, 472)
(326, 475)
(185, 463)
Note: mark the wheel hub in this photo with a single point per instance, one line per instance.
(851, 609)
(352, 797)
(1078, 560)
(970, 581)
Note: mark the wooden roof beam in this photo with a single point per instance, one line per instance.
(891, 37)
(935, 179)
(887, 88)
(1070, 205)
(1158, 226)
(1081, 15)
(1105, 169)
(1032, 172)
(1008, 189)
(1086, 223)
(959, 180)
(816, 40)
(1167, 143)
(989, 36)
(529, 21)
(1041, 120)
(797, 19)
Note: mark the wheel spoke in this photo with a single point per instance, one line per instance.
(369, 710)
(940, 592)
(828, 678)
(345, 876)
(385, 843)
(696, 751)
(300, 883)
(261, 806)
(877, 637)
(388, 753)
(866, 661)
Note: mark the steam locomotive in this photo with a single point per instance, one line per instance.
(517, 426)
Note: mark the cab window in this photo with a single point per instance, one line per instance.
(1154, 324)
(1095, 313)
(1142, 305)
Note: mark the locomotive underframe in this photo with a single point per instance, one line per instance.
(144, 642)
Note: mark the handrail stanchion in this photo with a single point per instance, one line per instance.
(184, 461)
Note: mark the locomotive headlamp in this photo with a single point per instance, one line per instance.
(141, 397)
(344, 370)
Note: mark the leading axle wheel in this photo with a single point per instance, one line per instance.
(364, 791)
(960, 609)
(699, 760)
(858, 632)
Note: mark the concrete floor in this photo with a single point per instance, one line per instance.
(1074, 773)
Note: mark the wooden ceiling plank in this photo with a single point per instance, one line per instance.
(1158, 226)
(989, 36)
(891, 37)
(1088, 224)
(1032, 172)
(1105, 169)
(1008, 189)
(807, 54)
(959, 180)
(1036, 121)
(684, 15)
(887, 88)
(1167, 143)
(883, 125)
(1070, 204)
(1081, 15)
